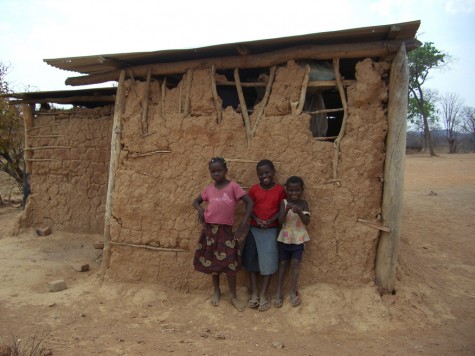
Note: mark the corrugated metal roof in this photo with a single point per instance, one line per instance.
(106, 62)
(83, 97)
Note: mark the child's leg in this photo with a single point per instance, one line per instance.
(217, 292)
(295, 268)
(232, 291)
(264, 302)
(254, 300)
(283, 266)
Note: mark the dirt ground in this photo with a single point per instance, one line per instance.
(432, 312)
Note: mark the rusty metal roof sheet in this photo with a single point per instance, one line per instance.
(106, 62)
(83, 97)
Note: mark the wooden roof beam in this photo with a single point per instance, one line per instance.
(263, 60)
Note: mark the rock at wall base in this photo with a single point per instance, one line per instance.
(44, 231)
(98, 245)
(81, 267)
(56, 286)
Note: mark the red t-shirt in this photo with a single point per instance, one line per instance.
(266, 201)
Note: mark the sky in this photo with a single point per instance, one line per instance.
(32, 30)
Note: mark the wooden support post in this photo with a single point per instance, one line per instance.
(28, 123)
(145, 103)
(265, 99)
(113, 165)
(217, 100)
(303, 91)
(388, 245)
(164, 93)
(341, 90)
(189, 79)
(245, 114)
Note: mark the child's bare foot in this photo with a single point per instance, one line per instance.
(237, 304)
(215, 298)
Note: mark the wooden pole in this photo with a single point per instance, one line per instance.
(303, 92)
(28, 124)
(145, 103)
(265, 99)
(113, 165)
(189, 79)
(388, 245)
(217, 100)
(164, 93)
(269, 59)
(245, 114)
(336, 69)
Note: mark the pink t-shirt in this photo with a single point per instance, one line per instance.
(221, 203)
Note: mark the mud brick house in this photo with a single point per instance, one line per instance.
(127, 161)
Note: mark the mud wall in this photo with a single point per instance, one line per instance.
(69, 182)
(153, 192)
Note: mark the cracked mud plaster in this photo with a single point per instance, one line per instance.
(153, 194)
(69, 193)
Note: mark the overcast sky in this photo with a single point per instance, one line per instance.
(31, 30)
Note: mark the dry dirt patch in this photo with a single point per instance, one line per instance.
(432, 311)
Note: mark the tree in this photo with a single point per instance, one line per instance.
(421, 61)
(11, 134)
(451, 108)
(414, 114)
(468, 120)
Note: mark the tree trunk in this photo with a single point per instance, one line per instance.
(428, 136)
(452, 145)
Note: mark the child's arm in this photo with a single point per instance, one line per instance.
(283, 210)
(197, 205)
(245, 221)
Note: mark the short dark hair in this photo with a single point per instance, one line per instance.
(220, 160)
(265, 162)
(294, 180)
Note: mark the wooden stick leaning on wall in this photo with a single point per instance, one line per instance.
(164, 93)
(189, 79)
(217, 100)
(180, 92)
(303, 91)
(134, 86)
(265, 99)
(391, 209)
(341, 90)
(245, 114)
(113, 165)
(263, 60)
(145, 103)
(28, 125)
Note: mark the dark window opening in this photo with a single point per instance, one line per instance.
(253, 84)
(325, 110)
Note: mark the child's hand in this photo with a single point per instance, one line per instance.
(201, 216)
(296, 209)
(241, 231)
(260, 223)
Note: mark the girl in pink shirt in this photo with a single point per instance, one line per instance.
(217, 251)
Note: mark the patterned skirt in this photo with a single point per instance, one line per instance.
(217, 251)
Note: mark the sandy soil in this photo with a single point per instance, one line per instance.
(433, 311)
